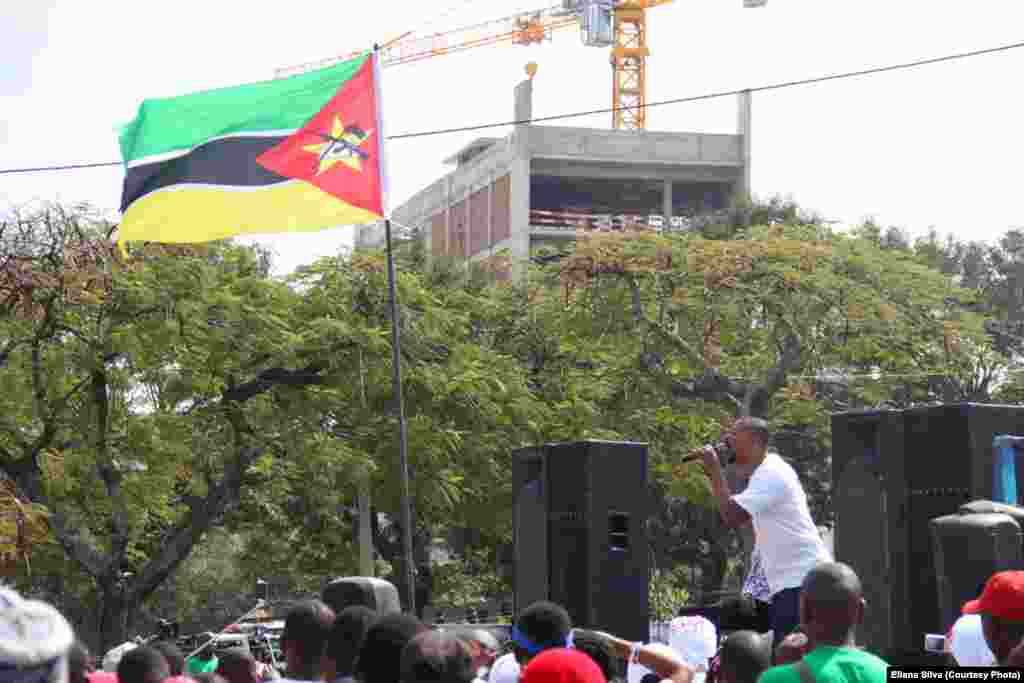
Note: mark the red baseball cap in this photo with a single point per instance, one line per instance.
(561, 665)
(1003, 597)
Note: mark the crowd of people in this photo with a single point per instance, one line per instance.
(809, 609)
(359, 645)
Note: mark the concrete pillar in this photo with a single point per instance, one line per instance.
(466, 227)
(666, 203)
(745, 101)
(519, 212)
(490, 212)
(524, 101)
(448, 216)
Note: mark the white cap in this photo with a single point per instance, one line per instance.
(968, 644)
(114, 655)
(504, 670)
(34, 640)
(695, 638)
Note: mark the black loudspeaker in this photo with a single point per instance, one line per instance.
(892, 473)
(580, 514)
(377, 594)
(969, 548)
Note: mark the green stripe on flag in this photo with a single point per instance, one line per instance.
(177, 123)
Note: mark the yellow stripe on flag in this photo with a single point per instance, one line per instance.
(204, 214)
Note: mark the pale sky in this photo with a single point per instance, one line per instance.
(935, 146)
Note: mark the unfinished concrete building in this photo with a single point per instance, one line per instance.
(544, 184)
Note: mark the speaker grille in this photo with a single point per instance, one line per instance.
(862, 541)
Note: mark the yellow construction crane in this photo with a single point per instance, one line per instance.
(629, 63)
(619, 24)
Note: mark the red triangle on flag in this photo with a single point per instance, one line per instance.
(339, 149)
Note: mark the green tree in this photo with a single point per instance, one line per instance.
(666, 338)
(155, 381)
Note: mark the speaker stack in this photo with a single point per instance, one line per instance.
(892, 473)
(580, 513)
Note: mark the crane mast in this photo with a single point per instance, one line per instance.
(629, 66)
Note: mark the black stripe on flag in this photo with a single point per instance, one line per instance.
(229, 161)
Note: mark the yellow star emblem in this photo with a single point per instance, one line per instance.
(342, 146)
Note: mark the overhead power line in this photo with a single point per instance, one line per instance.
(65, 167)
(608, 110)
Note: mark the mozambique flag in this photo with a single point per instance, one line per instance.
(294, 155)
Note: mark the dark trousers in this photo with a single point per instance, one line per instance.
(785, 614)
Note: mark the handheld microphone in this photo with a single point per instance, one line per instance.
(726, 455)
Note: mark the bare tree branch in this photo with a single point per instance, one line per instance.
(202, 514)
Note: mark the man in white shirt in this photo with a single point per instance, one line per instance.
(786, 537)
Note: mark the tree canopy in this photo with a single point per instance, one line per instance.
(182, 412)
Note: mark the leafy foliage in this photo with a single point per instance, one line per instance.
(188, 422)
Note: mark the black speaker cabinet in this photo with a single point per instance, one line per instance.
(969, 548)
(580, 514)
(377, 594)
(893, 472)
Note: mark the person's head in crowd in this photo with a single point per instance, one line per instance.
(1001, 606)
(80, 663)
(304, 639)
(113, 656)
(35, 640)
(345, 639)
(743, 656)
(144, 664)
(739, 613)
(541, 626)
(208, 677)
(380, 657)
(437, 657)
(831, 604)
(172, 653)
(749, 437)
(235, 665)
(598, 649)
(562, 665)
(792, 648)
(483, 647)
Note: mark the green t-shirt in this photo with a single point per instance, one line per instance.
(832, 665)
(201, 666)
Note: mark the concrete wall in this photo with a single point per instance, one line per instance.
(626, 147)
(456, 185)
(580, 168)
(444, 208)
